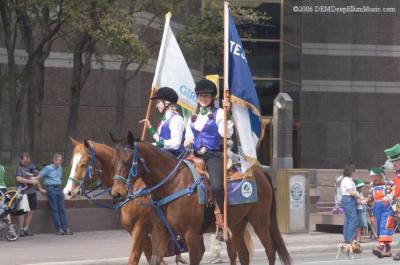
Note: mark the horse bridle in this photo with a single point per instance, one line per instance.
(133, 170)
(88, 173)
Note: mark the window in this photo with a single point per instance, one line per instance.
(267, 90)
(269, 29)
(263, 58)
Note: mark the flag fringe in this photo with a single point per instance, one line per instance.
(245, 104)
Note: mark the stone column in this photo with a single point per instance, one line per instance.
(282, 132)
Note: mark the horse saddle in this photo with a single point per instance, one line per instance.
(241, 189)
(200, 166)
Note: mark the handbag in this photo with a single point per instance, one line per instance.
(23, 204)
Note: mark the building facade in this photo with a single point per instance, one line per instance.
(340, 67)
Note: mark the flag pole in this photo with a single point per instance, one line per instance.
(226, 63)
(157, 72)
(148, 113)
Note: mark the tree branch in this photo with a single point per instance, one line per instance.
(128, 79)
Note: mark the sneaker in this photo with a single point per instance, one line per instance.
(60, 232)
(220, 235)
(28, 232)
(68, 232)
(21, 233)
(215, 260)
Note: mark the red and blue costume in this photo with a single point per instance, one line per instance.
(379, 192)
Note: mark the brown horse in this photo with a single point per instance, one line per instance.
(186, 215)
(134, 218)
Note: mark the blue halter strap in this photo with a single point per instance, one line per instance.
(147, 190)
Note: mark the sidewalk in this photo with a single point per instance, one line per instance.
(112, 247)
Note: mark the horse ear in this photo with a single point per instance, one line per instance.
(74, 142)
(87, 144)
(113, 139)
(130, 139)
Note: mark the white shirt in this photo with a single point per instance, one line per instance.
(176, 127)
(202, 120)
(347, 184)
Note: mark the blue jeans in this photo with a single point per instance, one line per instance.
(349, 206)
(55, 197)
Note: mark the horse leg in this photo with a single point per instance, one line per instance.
(159, 243)
(147, 247)
(195, 246)
(232, 252)
(261, 228)
(138, 237)
(239, 243)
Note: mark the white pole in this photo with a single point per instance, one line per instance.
(226, 65)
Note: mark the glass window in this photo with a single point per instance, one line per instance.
(267, 91)
(291, 63)
(270, 29)
(263, 58)
(292, 26)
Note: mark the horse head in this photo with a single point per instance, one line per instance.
(79, 164)
(123, 163)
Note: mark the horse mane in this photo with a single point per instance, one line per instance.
(163, 153)
(147, 146)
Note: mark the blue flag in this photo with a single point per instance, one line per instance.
(245, 103)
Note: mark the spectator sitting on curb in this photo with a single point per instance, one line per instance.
(52, 179)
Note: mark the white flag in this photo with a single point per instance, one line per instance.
(172, 70)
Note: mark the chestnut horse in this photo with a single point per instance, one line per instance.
(134, 218)
(185, 215)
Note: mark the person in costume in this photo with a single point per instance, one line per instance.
(380, 195)
(204, 132)
(170, 132)
(361, 211)
(393, 154)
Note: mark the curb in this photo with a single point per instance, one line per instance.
(124, 260)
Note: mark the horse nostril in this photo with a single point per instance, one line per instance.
(117, 197)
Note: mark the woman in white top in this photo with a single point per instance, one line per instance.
(349, 203)
(169, 133)
(204, 132)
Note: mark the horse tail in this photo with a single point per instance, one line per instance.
(248, 234)
(274, 230)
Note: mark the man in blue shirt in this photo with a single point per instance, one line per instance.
(51, 175)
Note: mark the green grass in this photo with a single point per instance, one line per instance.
(10, 175)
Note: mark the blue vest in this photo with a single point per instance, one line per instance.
(165, 133)
(208, 136)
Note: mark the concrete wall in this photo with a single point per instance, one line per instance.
(81, 215)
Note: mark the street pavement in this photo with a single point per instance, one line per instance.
(112, 248)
